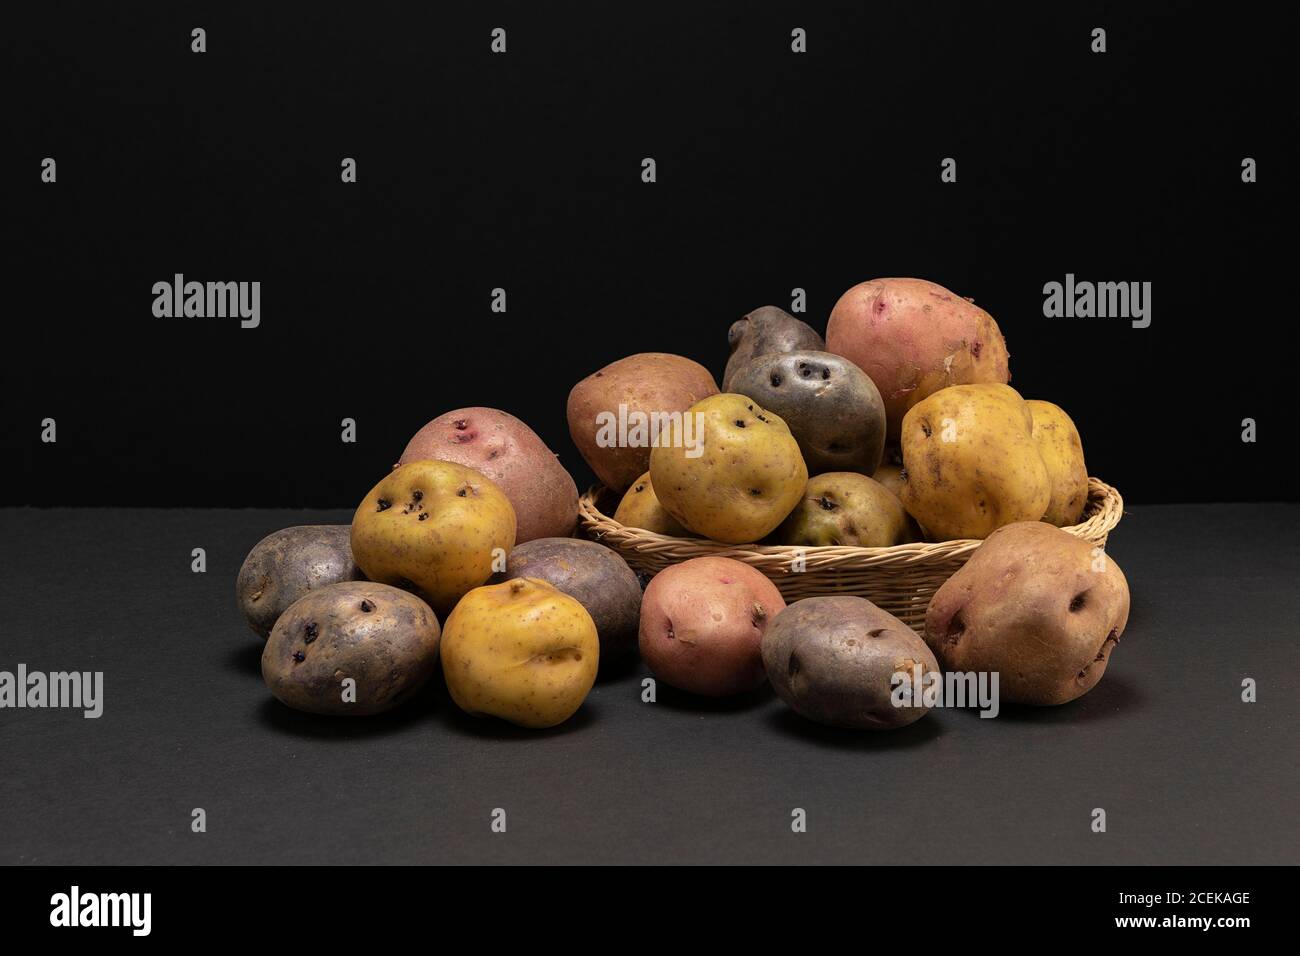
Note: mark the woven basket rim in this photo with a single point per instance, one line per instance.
(1103, 510)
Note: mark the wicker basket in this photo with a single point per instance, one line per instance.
(901, 579)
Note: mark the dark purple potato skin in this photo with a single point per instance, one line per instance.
(832, 660)
(593, 575)
(763, 332)
(286, 565)
(832, 407)
(383, 638)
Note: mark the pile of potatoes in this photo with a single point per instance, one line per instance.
(899, 426)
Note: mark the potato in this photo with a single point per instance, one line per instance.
(732, 472)
(1042, 608)
(913, 338)
(702, 624)
(830, 405)
(522, 651)
(834, 661)
(383, 640)
(436, 526)
(611, 412)
(641, 508)
(971, 461)
(508, 452)
(286, 564)
(596, 577)
(842, 508)
(1062, 452)
(766, 331)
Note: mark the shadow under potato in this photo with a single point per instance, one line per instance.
(494, 728)
(282, 718)
(674, 699)
(785, 721)
(1112, 697)
(246, 659)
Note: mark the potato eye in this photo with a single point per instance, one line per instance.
(740, 423)
(925, 427)
(826, 503)
(775, 380)
(383, 504)
(367, 607)
(417, 495)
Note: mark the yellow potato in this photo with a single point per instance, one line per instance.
(730, 470)
(971, 461)
(1062, 450)
(434, 525)
(641, 508)
(522, 651)
(845, 508)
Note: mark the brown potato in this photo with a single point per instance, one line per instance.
(286, 564)
(641, 508)
(763, 332)
(1042, 608)
(702, 624)
(508, 452)
(835, 660)
(598, 578)
(841, 508)
(354, 648)
(641, 386)
(1062, 450)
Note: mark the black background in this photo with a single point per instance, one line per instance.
(522, 171)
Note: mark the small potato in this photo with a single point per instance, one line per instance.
(834, 661)
(763, 332)
(732, 472)
(382, 639)
(1042, 608)
(286, 564)
(841, 508)
(1062, 450)
(702, 623)
(610, 411)
(522, 651)
(512, 455)
(433, 525)
(832, 408)
(596, 577)
(641, 508)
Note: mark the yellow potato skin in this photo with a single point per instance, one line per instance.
(845, 508)
(749, 476)
(989, 474)
(1062, 450)
(433, 524)
(522, 651)
(641, 508)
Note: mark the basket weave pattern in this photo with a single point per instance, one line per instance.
(901, 579)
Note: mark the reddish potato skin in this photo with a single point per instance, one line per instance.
(914, 337)
(505, 450)
(702, 625)
(647, 382)
(1029, 605)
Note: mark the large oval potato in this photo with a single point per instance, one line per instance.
(517, 461)
(732, 472)
(763, 332)
(843, 508)
(913, 337)
(434, 525)
(641, 508)
(286, 564)
(612, 412)
(830, 405)
(522, 651)
(352, 648)
(843, 661)
(971, 462)
(702, 624)
(596, 577)
(1035, 604)
(1062, 450)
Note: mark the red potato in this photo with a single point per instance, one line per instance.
(504, 449)
(702, 625)
(913, 337)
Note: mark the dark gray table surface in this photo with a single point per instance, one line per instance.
(1186, 771)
